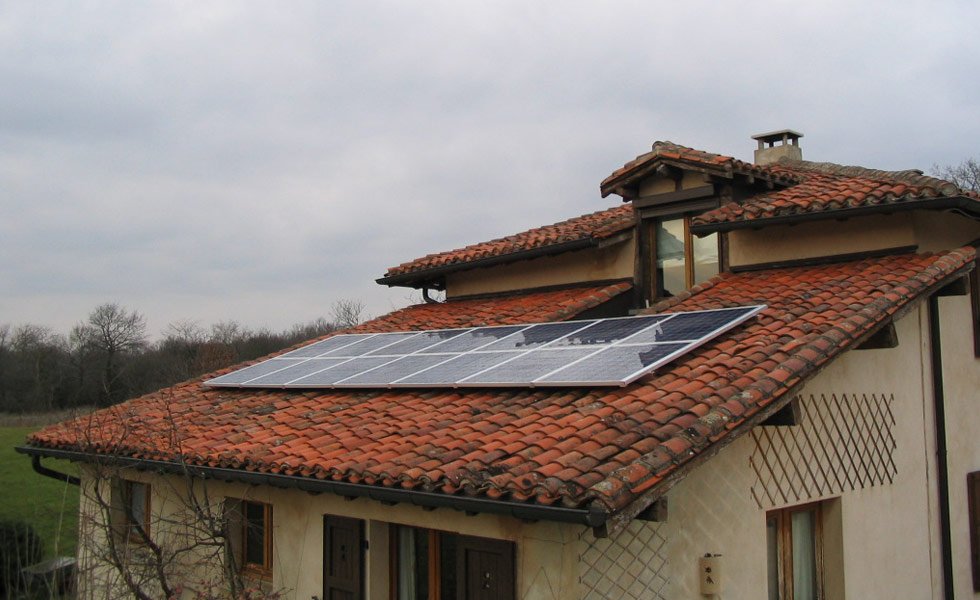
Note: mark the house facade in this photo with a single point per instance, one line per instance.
(823, 449)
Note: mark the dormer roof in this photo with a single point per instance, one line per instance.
(573, 234)
(623, 180)
(827, 190)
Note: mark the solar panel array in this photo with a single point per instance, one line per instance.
(595, 352)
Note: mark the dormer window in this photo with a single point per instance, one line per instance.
(682, 260)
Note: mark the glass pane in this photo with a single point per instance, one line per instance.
(137, 505)
(254, 533)
(804, 556)
(447, 565)
(413, 564)
(772, 553)
(705, 257)
(670, 256)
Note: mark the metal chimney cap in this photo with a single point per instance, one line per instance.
(776, 136)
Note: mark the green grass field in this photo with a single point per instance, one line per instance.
(50, 506)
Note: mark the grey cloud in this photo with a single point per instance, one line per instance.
(257, 161)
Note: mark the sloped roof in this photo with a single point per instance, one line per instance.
(504, 309)
(575, 447)
(829, 190)
(674, 154)
(581, 231)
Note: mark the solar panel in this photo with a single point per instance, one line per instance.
(599, 352)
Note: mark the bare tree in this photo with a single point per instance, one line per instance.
(38, 351)
(186, 331)
(114, 331)
(347, 312)
(161, 552)
(965, 175)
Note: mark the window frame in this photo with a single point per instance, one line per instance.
(975, 306)
(973, 514)
(655, 285)
(784, 549)
(435, 565)
(130, 527)
(434, 571)
(264, 570)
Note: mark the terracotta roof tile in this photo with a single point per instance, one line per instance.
(803, 187)
(591, 227)
(830, 188)
(567, 446)
(682, 156)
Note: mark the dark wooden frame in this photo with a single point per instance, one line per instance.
(784, 532)
(653, 288)
(973, 508)
(263, 571)
(357, 588)
(975, 306)
(435, 564)
(129, 525)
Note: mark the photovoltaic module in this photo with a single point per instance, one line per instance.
(594, 352)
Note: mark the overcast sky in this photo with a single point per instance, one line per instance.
(258, 161)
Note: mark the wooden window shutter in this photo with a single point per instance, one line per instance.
(343, 558)
(485, 569)
(973, 497)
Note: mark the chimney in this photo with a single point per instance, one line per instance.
(769, 152)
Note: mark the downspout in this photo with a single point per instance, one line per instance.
(942, 474)
(425, 295)
(42, 470)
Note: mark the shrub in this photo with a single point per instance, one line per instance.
(20, 546)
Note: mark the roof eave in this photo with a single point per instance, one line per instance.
(594, 516)
(706, 449)
(966, 204)
(426, 277)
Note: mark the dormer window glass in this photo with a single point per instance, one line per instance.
(683, 260)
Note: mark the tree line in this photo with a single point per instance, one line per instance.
(108, 357)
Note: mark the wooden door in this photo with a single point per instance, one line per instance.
(343, 558)
(485, 569)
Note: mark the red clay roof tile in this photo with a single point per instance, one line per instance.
(591, 227)
(569, 446)
(684, 157)
(829, 188)
(803, 187)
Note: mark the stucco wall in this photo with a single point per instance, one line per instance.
(547, 553)
(820, 238)
(943, 230)
(887, 532)
(663, 185)
(593, 264)
(961, 376)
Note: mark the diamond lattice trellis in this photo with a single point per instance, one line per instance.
(631, 566)
(842, 443)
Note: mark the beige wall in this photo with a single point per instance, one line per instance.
(943, 230)
(663, 185)
(593, 264)
(819, 238)
(887, 532)
(547, 553)
(961, 377)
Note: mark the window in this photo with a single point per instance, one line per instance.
(682, 260)
(250, 535)
(973, 506)
(436, 565)
(794, 550)
(975, 306)
(134, 502)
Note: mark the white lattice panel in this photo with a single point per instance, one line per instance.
(630, 566)
(842, 443)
